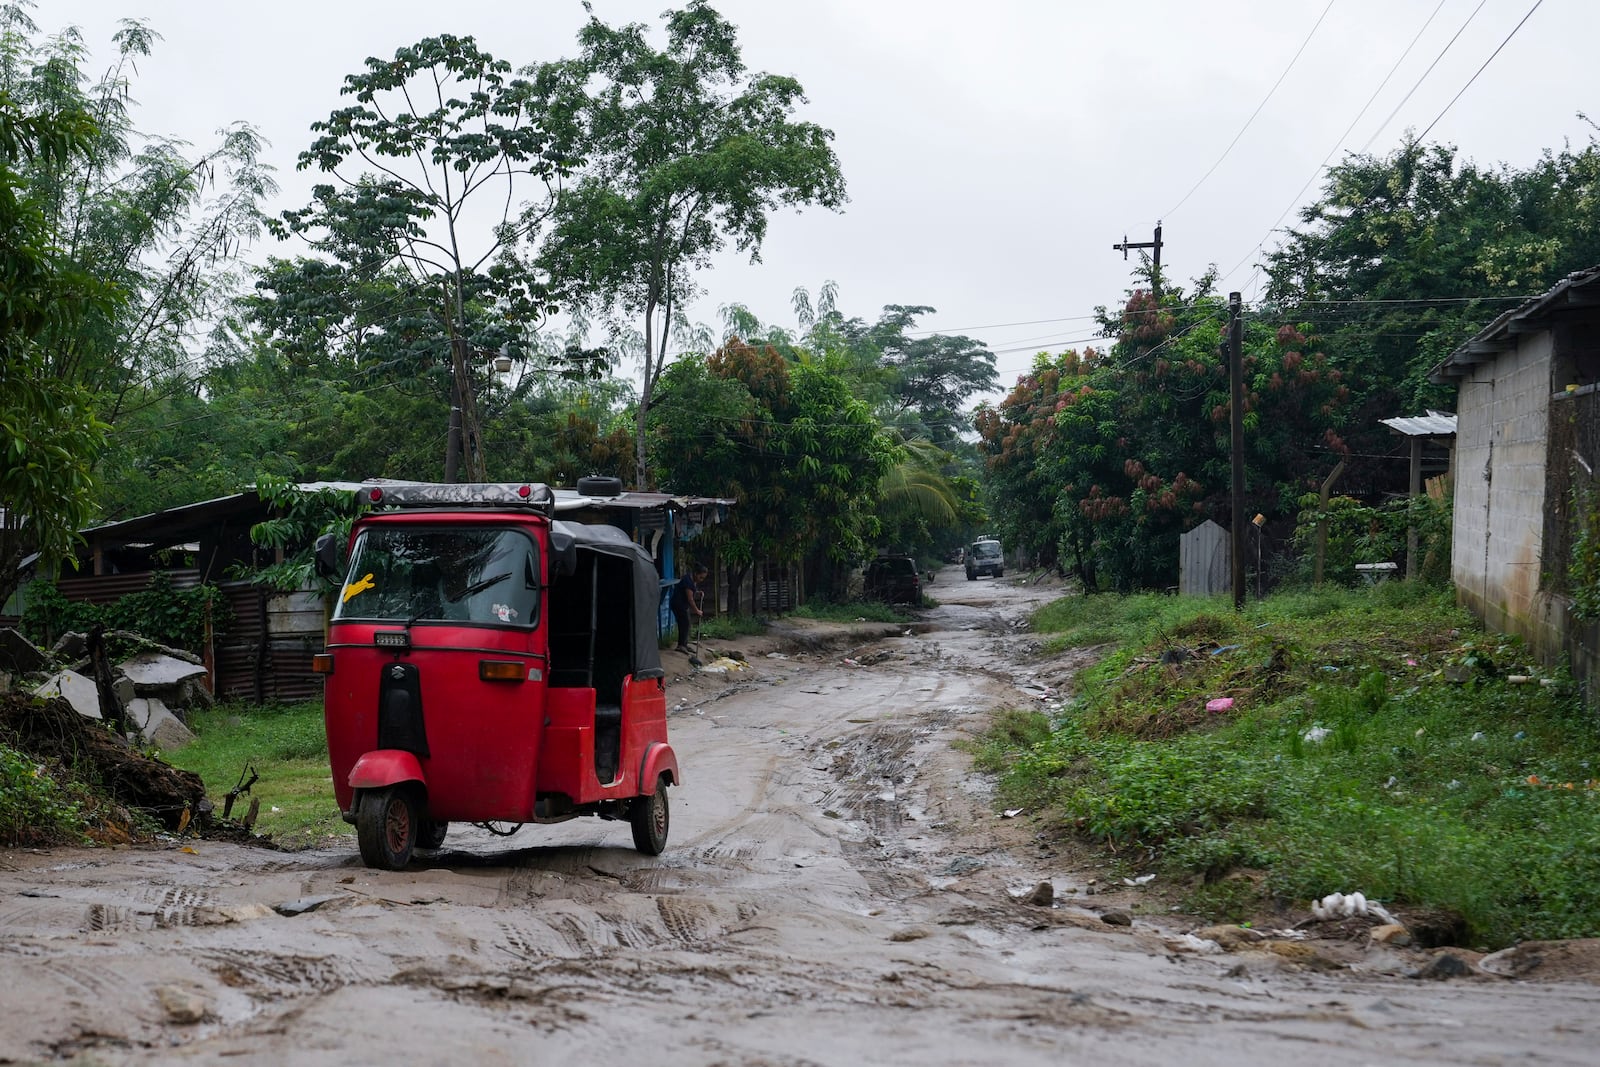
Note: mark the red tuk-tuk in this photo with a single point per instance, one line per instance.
(487, 663)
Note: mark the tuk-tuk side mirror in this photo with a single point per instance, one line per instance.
(325, 558)
(563, 554)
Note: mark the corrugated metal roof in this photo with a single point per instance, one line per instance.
(570, 500)
(1578, 289)
(180, 521)
(1433, 424)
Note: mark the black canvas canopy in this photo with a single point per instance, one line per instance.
(645, 584)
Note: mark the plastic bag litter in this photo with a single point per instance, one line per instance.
(1317, 734)
(1348, 905)
(1198, 945)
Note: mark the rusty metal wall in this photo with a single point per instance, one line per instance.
(255, 665)
(250, 664)
(105, 588)
(775, 587)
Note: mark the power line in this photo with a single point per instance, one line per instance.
(1253, 114)
(1321, 166)
(1480, 70)
(1382, 126)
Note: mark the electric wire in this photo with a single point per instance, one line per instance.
(1293, 60)
(1423, 136)
(1323, 165)
(1385, 123)
(1480, 70)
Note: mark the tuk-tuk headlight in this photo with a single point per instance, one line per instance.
(501, 670)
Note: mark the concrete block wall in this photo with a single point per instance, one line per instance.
(1502, 441)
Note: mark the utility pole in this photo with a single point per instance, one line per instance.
(1155, 259)
(1236, 427)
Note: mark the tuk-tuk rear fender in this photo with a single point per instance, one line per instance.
(385, 767)
(658, 759)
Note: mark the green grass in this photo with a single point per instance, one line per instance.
(728, 627)
(1438, 782)
(287, 746)
(850, 611)
(39, 805)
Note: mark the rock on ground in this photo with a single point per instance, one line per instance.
(79, 692)
(158, 724)
(18, 655)
(150, 671)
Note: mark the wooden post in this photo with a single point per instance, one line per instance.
(1236, 432)
(1322, 524)
(1416, 490)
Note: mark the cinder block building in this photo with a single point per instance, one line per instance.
(1527, 445)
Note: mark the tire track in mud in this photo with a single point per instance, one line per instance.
(267, 975)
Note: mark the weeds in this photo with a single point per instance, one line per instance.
(288, 745)
(851, 611)
(35, 808)
(1372, 743)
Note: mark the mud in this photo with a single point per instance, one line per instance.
(837, 890)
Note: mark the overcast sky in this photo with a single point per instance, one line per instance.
(993, 151)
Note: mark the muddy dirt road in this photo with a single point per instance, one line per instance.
(837, 890)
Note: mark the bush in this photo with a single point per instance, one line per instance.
(34, 809)
(1374, 743)
(160, 612)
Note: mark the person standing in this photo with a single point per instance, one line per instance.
(688, 598)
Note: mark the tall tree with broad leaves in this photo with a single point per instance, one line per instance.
(148, 216)
(686, 152)
(931, 375)
(804, 458)
(48, 432)
(1404, 257)
(443, 166)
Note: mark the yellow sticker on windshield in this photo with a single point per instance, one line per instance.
(362, 586)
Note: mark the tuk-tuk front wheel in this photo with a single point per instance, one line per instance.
(387, 822)
(431, 834)
(650, 820)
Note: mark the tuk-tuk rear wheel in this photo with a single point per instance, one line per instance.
(651, 819)
(387, 821)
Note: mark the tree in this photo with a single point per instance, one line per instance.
(48, 432)
(142, 216)
(407, 273)
(1404, 257)
(802, 456)
(931, 376)
(684, 153)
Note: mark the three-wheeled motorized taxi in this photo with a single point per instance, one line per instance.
(487, 663)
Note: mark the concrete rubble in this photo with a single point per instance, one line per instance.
(155, 687)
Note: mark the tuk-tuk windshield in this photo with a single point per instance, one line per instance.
(433, 574)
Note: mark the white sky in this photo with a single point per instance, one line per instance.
(993, 151)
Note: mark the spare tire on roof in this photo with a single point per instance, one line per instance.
(599, 485)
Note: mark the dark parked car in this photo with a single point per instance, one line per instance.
(893, 579)
(985, 557)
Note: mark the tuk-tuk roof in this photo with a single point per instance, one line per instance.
(535, 495)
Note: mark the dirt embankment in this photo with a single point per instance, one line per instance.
(838, 889)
